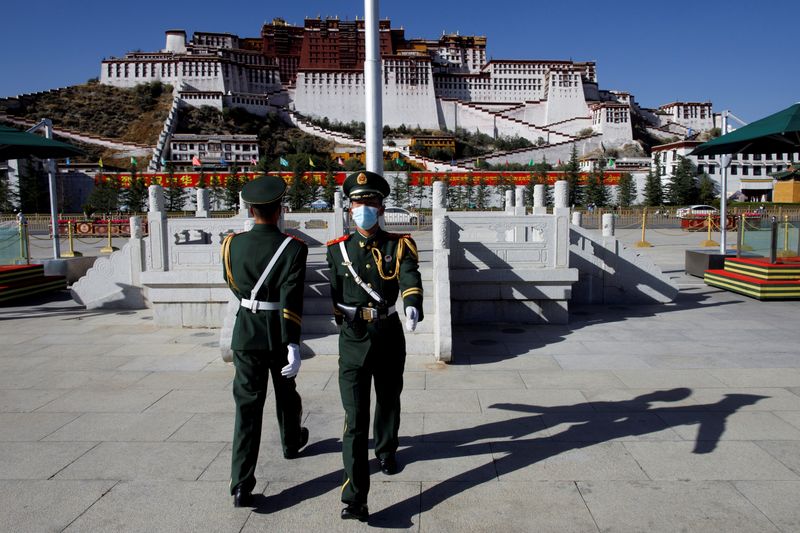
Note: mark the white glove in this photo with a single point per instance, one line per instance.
(293, 355)
(412, 316)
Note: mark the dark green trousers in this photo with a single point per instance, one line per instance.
(373, 353)
(249, 392)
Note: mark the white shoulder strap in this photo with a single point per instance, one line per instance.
(374, 295)
(270, 265)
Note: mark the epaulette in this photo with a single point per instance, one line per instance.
(337, 241)
(295, 237)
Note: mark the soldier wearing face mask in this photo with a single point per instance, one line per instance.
(373, 272)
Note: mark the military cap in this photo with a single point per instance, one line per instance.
(365, 184)
(264, 190)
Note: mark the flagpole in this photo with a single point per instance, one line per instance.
(372, 87)
(724, 161)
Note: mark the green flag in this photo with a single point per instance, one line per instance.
(133, 161)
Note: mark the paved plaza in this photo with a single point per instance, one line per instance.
(677, 417)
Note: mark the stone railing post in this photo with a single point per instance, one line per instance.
(519, 201)
(608, 224)
(201, 210)
(509, 206)
(577, 218)
(157, 229)
(244, 211)
(137, 251)
(539, 207)
(561, 212)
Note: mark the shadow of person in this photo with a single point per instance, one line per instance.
(601, 422)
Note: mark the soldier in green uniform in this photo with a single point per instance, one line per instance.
(369, 269)
(265, 269)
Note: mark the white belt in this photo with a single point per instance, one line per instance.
(258, 305)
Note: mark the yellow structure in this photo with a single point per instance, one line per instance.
(446, 142)
(787, 191)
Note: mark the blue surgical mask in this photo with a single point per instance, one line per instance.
(365, 216)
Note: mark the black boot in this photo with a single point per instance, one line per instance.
(293, 453)
(241, 497)
(355, 511)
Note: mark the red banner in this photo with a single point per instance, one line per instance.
(220, 179)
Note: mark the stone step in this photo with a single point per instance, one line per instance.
(328, 345)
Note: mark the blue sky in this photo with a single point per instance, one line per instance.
(741, 55)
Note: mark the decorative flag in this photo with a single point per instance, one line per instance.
(401, 162)
(133, 161)
(100, 163)
(283, 162)
(340, 161)
(611, 163)
(68, 161)
(222, 161)
(163, 162)
(311, 163)
(196, 161)
(253, 161)
(478, 162)
(559, 162)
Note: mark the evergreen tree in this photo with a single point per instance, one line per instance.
(329, 191)
(596, 192)
(706, 190)
(33, 196)
(682, 188)
(399, 192)
(626, 190)
(233, 186)
(504, 184)
(468, 192)
(300, 191)
(481, 194)
(653, 190)
(216, 192)
(8, 197)
(573, 177)
(105, 195)
(408, 192)
(134, 197)
(529, 188)
(175, 194)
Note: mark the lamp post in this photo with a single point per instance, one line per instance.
(373, 88)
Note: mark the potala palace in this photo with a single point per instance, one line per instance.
(446, 83)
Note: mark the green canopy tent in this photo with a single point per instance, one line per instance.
(17, 144)
(776, 133)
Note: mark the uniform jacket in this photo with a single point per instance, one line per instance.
(374, 258)
(245, 255)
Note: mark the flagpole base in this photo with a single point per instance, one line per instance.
(643, 244)
(709, 243)
(108, 249)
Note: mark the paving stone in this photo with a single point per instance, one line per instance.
(660, 378)
(26, 400)
(641, 400)
(465, 428)
(747, 399)
(758, 377)
(793, 417)
(164, 506)
(472, 380)
(607, 427)
(505, 362)
(36, 506)
(583, 361)
(571, 379)
(439, 401)
(204, 380)
(38, 460)
(315, 507)
(787, 452)
(88, 379)
(635, 506)
(728, 460)
(776, 499)
(143, 460)
(543, 460)
(169, 359)
(504, 506)
(99, 401)
(24, 427)
(195, 401)
(533, 401)
(752, 426)
(121, 427)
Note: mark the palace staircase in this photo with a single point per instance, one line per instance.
(20, 281)
(758, 278)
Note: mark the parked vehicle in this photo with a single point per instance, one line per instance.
(398, 215)
(694, 211)
(319, 204)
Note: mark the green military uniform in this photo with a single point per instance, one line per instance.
(260, 338)
(371, 349)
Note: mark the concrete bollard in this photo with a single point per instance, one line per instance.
(577, 218)
(509, 202)
(539, 206)
(244, 211)
(439, 201)
(608, 224)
